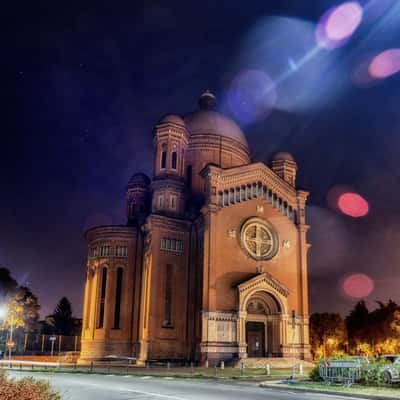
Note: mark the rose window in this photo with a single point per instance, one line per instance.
(259, 240)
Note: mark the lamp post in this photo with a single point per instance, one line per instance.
(293, 346)
(3, 313)
(10, 342)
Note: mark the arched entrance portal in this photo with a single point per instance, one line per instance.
(262, 317)
(263, 325)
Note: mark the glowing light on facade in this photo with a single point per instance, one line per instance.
(358, 286)
(385, 64)
(353, 205)
(338, 24)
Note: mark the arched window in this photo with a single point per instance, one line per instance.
(174, 159)
(102, 297)
(163, 159)
(118, 295)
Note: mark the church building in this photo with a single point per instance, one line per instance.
(212, 262)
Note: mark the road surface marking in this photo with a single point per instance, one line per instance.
(163, 396)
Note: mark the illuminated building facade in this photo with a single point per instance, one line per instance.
(213, 258)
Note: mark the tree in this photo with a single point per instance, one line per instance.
(8, 285)
(357, 324)
(21, 304)
(61, 320)
(327, 334)
(374, 332)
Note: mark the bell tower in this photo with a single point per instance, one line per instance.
(283, 165)
(137, 199)
(170, 145)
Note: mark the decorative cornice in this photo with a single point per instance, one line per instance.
(237, 176)
(267, 278)
(110, 232)
(220, 316)
(163, 221)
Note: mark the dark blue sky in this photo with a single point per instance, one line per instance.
(84, 84)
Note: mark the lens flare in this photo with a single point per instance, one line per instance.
(353, 205)
(338, 24)
(375, 9)
(251, 96)
(358, 285)
(385, 64)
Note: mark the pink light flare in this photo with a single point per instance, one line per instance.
(353, 205)
(385, 64)
(358, 285)
(338, 24)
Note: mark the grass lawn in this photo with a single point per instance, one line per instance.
(256, 374)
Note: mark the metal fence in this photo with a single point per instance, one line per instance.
(38, 344)
(346, 372)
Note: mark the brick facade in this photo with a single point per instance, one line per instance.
(213, 259)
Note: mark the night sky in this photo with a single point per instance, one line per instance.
(83, 85)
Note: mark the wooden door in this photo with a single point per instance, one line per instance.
(255, 339)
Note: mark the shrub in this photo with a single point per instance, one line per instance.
(371, 374)
(25, 389)
(314, 374)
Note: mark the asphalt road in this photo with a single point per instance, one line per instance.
(107, 387)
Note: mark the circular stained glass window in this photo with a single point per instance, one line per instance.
(259, 239)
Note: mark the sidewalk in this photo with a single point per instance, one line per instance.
(356, 391)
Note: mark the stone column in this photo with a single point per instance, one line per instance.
(241, 334)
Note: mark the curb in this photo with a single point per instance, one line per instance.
(328, 392)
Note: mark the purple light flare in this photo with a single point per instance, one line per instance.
(251, 96)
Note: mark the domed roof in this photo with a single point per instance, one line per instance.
(175, 119)
(282, 156)
(207, 120)
(139, 179)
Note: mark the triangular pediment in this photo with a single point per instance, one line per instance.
(262, 280)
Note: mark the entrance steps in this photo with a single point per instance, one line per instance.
(274, 362)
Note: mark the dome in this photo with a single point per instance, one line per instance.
(171, 118)
(282, 156)
(209, 121)
(139, 179)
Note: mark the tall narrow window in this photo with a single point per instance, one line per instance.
(160, 201)
(173, 202)
(163, 159)
(133, 209)
(102, 297)
(168, 296)
(173, 160)
(118, 293)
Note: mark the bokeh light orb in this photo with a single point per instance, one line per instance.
(338, 24)
(358, 285)
(353, 205)
(385, 64)
(251, 96)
